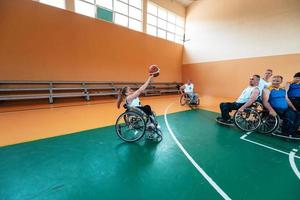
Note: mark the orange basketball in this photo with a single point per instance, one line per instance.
(154, 70)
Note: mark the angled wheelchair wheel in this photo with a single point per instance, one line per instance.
(183, 100)
(158, 136)
(130, 126)
(248, 120)
(269, 123)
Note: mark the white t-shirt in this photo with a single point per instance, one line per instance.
(135, 102)
(262, 85)
(189, 88)
(245, 96)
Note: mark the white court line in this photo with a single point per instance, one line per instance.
(202, 172)
(268, 147)
(292, 163)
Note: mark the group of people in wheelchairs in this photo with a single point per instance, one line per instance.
(266, 107)
(263, 106)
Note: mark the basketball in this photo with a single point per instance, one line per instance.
(154, 70)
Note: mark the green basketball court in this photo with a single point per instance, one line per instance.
(96, 164)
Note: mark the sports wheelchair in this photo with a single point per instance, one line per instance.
(132, 125)
(256, 118)
(186, 100)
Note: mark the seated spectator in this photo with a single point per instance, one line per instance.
(188, 89)
(293, 91)
(264, 81)
(246, 99)
(276, 101)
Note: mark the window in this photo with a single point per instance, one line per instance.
(126, 13)
(164, 24)
(104, 14)
(85, 8)
(105, 10)
(129, 13)
(56, 3)
(121, 19)
(108, 4)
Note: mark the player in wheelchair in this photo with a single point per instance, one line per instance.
(276, 101)
(293, 91)
(188, 96)
(278, 112)
(246, 100)
(137, 119)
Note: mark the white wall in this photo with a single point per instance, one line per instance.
(233, 29)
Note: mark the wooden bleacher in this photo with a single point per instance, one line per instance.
(26, 90)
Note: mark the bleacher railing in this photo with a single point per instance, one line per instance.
(22, 90)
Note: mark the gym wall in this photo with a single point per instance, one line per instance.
(40, 42)
(229, 40)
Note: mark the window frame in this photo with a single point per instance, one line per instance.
(64, 8)
(157, 17)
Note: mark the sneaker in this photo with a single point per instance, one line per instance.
(229, 122)
(219, 118)
(225, 122)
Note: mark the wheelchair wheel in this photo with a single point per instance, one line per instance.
(130, 126)
(183, 100)
(248, 120)
(269, 123)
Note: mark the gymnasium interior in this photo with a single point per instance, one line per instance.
(63, 64)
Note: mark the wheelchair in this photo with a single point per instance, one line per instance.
(256, 118)
(131, 126)
(186, 100)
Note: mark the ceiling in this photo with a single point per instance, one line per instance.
(185, 3)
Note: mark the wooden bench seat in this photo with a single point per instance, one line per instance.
(24, 90)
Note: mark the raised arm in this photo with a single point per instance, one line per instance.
(138, 92)
(252, 99)
(266, 95)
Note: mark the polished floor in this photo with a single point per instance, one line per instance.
(197, 159)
